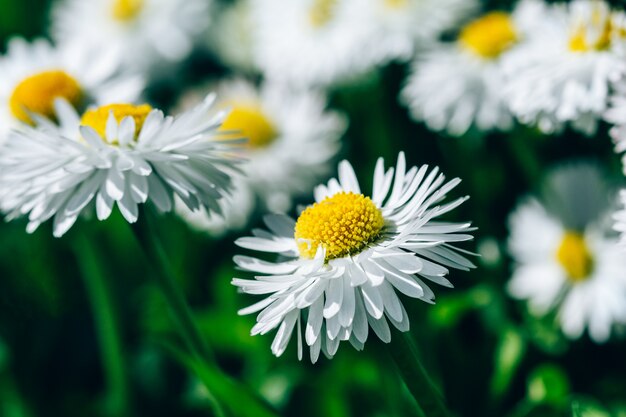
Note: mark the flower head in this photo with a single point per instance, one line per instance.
(36, 74)
(562, 73)
(291, 138)
(143, 31)
(118, 154)
(346, 257)
(566, 258)
(313, 42)
(459, 85)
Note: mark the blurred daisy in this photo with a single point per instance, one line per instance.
(344, 259)
(456, 86)
(562, 75)
(313, 42)
(35, 74)
(145, 31)
(568, 263)
(405, 25)
(232, 36)
(118, 154)
(291, 140)
(616, 115)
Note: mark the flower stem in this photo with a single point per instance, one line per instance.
(165, 276)
(428, 397)
(106, 324)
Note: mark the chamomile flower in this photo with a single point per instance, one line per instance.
(145, 31)
(566, 259)
(291, 140)
(118, 154)
(459, 85)
(563, 74)
(313, 42)
(345, 258)
(233, 35)
(406, 25)
(35, 74)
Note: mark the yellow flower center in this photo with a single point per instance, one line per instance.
(97, 118)
(593, 35)
(36, 94)
(575, 257)
(490, 35)
(250, 122)
(126, 10)
(343, 224)
(321, 12)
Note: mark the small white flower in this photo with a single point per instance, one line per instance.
(35, 74)
(562, 74)
(459, 85)
(116, 154)
(403, 26)
(346, 257)
(313, 42)
(291, 140)
(232, 36)
(566, 261)
(144, 31)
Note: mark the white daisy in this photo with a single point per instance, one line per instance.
(459, 85)
(404, 25)
(232, 36)
(145, 31)
(115, 154)
(562, 75)
(34, 74)
(313, 42)
(291, 140)
(343, 260)
(569, 264)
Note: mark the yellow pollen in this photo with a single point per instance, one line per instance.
(574, 256)
(343, 224)
(97, 118)
(126, 10)
(321, 12)
(490, 35)
(250, 122)
(36, 94)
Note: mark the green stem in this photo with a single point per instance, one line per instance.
(107, 328)
(165, 276)
(429, 399)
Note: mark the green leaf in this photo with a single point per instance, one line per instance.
(509, 353)
(548, 384)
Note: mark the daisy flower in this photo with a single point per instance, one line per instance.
(35, 74)
(232, 36)
(312, 42)
(118, 154)
(616, 115)
(404, 25)
(345, 258)
(566, 261)
(459, 85)
(291, 140)
(145, 31)
(563, 74)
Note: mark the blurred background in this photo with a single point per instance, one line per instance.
(490, 356)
